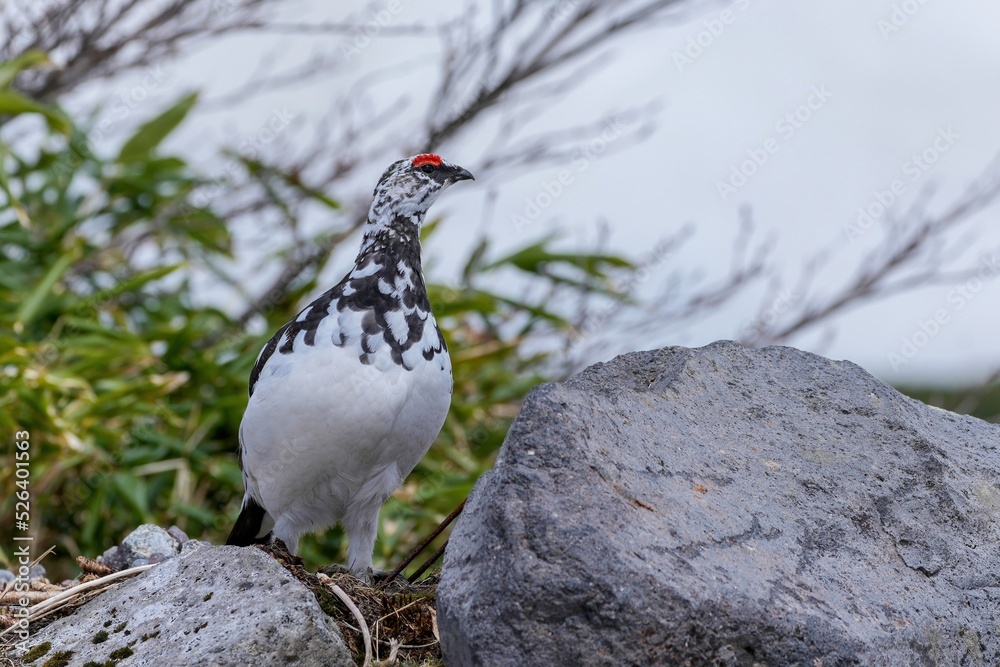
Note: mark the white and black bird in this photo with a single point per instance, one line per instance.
(346, 398)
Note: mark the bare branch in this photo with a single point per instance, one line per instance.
(915, 253)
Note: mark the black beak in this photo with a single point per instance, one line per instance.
(460, 174)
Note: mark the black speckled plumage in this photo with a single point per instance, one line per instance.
(391, 248)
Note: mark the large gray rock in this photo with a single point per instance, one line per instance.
(729, 506)
(216, 606)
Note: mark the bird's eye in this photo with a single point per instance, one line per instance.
(427, 169)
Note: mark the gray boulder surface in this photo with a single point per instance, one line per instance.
(732, 507)
(218, 606)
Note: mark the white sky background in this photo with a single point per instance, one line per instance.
(889, 97)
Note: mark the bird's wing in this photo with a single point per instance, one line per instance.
(307, 320)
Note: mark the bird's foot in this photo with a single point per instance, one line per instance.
(369, 575)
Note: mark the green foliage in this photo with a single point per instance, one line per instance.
(982, 402)
(132, 391)
(14, 103)
(142, 144)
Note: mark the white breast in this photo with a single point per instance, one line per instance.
(320, 423)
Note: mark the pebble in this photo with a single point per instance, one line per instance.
(113, 558)
(36, 572)
(178, 534)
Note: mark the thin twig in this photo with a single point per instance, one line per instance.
(427, 563)
(420, 547)
(365, 633)
(394, 647)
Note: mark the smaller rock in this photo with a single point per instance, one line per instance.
(6, 576)
(114, 558)
(147, 540)
(36, 572)
(178, 534)
(149, 544)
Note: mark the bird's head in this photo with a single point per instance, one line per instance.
(409, 187)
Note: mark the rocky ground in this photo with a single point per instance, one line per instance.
(190, 603)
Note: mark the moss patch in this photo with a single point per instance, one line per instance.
(100, 637)
(121, 654)
(60, 659)
(37, 652)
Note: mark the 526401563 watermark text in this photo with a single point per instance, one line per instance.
(18, 604)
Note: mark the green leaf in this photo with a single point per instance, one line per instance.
(145, 140)
(13, 67)
(428, 229)
(133, 490)
(533, 258)
(26, 313)
(261, 170)
(15, 103)
(132, 284)
(13, 202)
(475, 260)
(538, 311)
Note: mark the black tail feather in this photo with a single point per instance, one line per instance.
(248, 525)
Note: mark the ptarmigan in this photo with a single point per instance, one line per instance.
(346, 398)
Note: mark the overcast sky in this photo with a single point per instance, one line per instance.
(837, 103)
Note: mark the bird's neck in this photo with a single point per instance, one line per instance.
(389, 233)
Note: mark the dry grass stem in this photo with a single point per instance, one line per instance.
(346, 599)
(394, 647)
(55, 600)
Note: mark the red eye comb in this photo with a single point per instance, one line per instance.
(427, 158)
